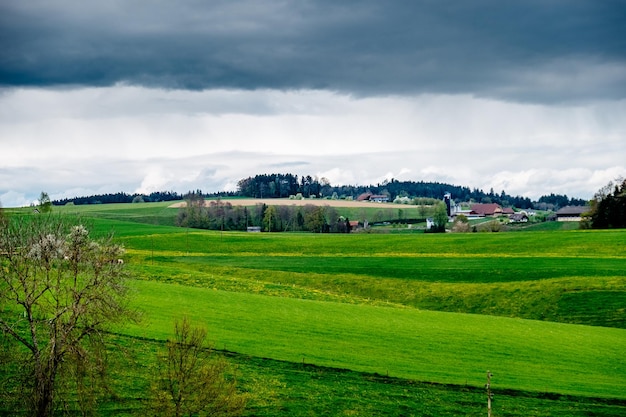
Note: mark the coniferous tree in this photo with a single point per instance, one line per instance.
(609, 208)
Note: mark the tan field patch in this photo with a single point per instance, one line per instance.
(303, 202)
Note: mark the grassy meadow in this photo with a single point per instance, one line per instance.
(380, 324)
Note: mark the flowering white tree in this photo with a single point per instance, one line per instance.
(59, 289)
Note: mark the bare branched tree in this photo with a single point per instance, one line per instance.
(191, 381)
(59, 289)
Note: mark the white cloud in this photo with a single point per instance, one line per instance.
(131, 139)
(15, 199)
(580, 182)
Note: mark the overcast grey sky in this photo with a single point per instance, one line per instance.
(128, 95)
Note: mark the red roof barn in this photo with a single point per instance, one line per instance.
(492, 209)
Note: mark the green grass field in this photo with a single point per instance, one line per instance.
(383, 324)
(421, 345)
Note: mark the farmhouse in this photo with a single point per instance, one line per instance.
(571, 213)
(483, 210)
(518, 218)
(469, 214)
(379, 198)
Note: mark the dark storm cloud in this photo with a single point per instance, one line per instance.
(525, 50)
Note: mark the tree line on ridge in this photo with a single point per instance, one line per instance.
(285, 185)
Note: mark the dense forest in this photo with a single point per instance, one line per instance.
(120, 198)
(285, 185)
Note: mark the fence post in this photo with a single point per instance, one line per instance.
(489, 393)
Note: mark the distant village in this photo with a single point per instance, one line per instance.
(569, 213)
(479, 210)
